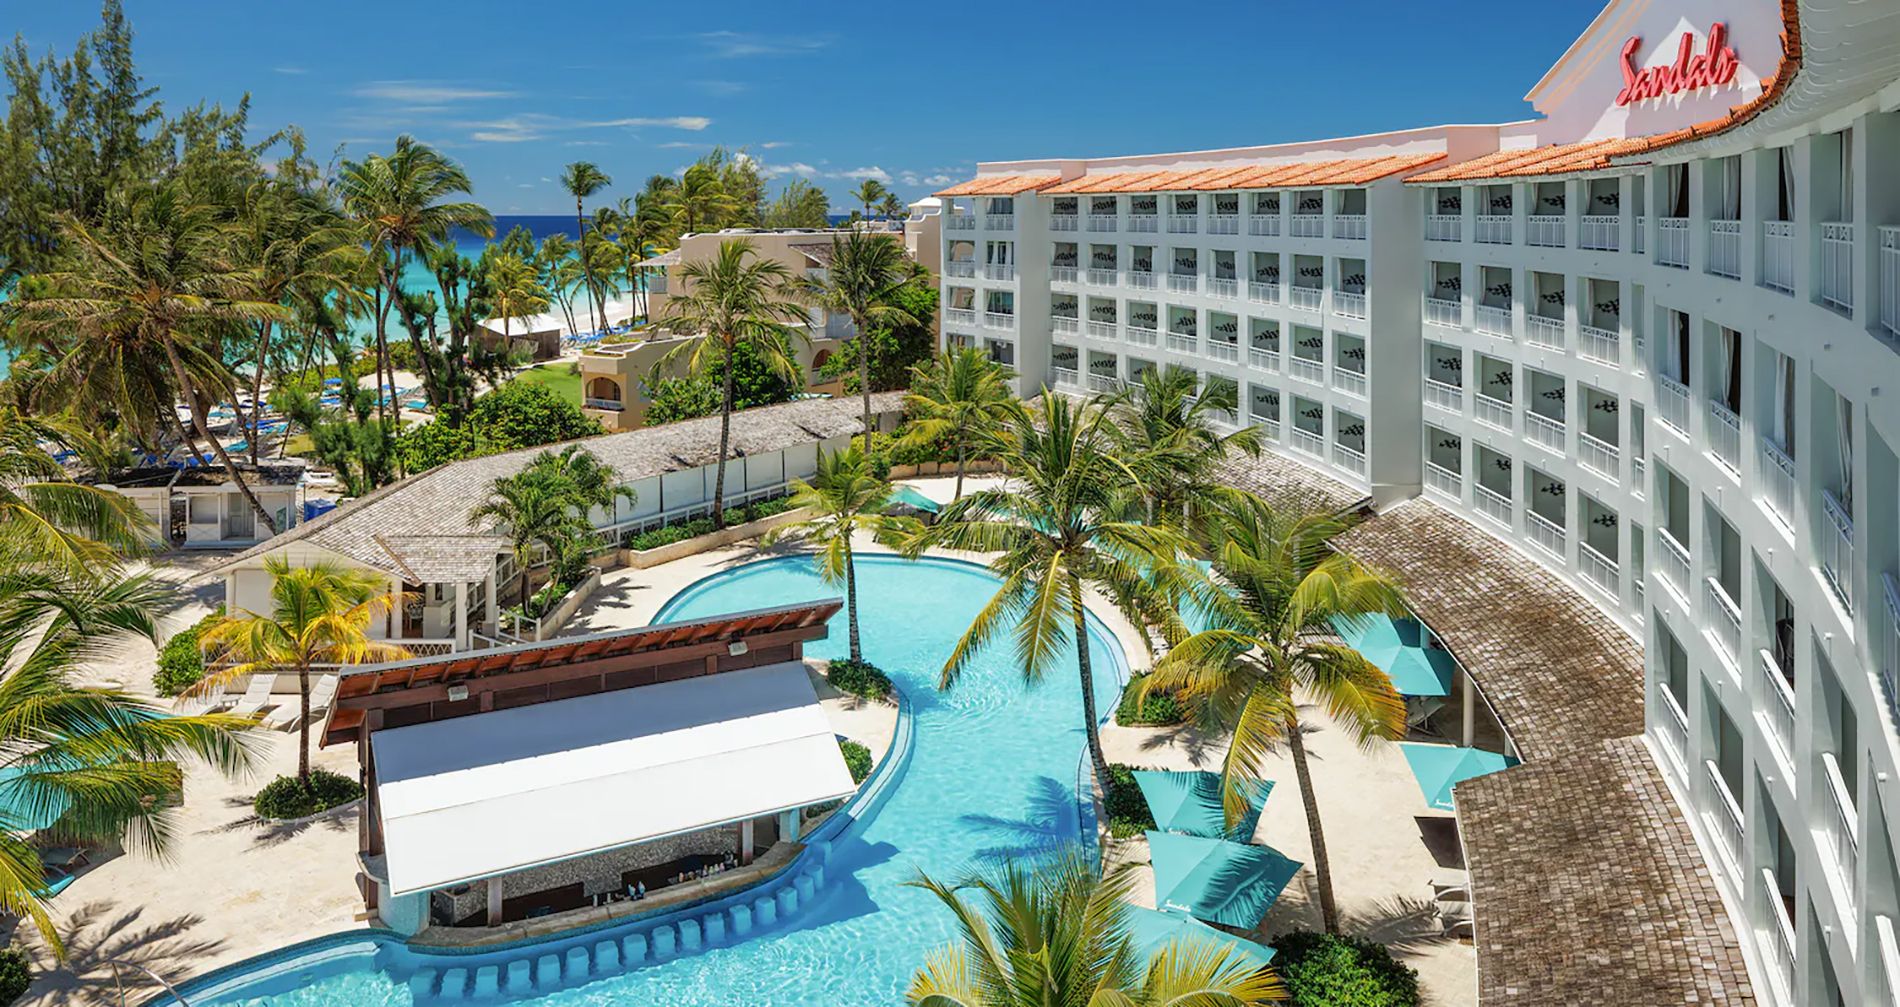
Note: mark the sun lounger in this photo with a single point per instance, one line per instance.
(256, 697)
(1454, 919)
(1450, 882)
(288, 716)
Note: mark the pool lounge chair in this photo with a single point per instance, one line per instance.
(288, 716)
(256, 697)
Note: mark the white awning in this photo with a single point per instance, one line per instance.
(491, 793)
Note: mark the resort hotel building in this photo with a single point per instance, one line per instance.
(1621, 386)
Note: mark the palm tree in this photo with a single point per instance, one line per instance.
(1169, 423)
(95, 763)
(1059, 935)
(699, 200)
(581, 180)
(1055, 530)
(587, 481)
(1270, 636)
(533, 511)
(890, 207)
(962, 395)
(866, 274)
(731, 300)
(47, 519)
(515, 291)
(844, 497)
(320, 614)
(869, 193)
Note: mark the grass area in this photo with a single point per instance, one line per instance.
(562, 376)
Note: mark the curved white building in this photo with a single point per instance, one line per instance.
(1647, 345)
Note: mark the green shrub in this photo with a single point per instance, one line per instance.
(857, 758)
(16, 973)
(654, 538)
(1333, 970)
(1127, 810)
(288, 797)
(523, 415)
(1159, 710)
(859, 678)
(181, 662)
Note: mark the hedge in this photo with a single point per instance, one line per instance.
(1159, 710)
(288, 797)
(181, 661)
(16, 974)
(859, 678)
(857, 758)
(1334, 970)
(654, 538)
(1128, 813)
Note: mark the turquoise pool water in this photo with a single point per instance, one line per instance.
(992, 773)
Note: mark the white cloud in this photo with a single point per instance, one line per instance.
(795, 168)
(732, 44)
(774, 144)
(524, 185)
(693, 123)
(517, 129)
(583, 143)
(938, 180)
(425, 92)
(293, 71)
(909, 178)
(860, 174)
(680, 145)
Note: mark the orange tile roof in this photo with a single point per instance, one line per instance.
(1345, 171)
(1000, 185)
(1595, 155)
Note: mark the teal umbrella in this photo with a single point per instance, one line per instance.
(1233, 884)
(1189, 801)
(1153, 929)
(1402, 650)
(1438, 768)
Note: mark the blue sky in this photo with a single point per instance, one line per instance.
(911, 94)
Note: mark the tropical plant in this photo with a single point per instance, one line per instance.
(320, 614)
(48, 519)
(522, 414)
(1335, 970)
(516, 291)
(866, 273)
(581, 180)
(533, 512)
(87, 764)
(699, 199)
(895, 346)
(1054, 529)
(1169, 424)
(734, 299)
(961, 397)
(799, 204)
(869, 193)
(1270, 615)
(844, 498)
(891, 207)
(1059, 934)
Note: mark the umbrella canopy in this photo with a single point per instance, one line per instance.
(1189, 801)
(1153, 929)
(1400, 648)
(1438, 768)
(1233, 884)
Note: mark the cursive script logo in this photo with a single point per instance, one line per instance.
(1692, 71)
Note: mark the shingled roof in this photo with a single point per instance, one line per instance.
(1334, 171)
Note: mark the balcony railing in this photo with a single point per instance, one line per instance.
(1545, 331)
(1066, 376)
(999, 271)
(1269, 425)
(1062, 274)
(1099, 277)
(1218, 286)
(1219, 350)
(1837, 547)
(999, 221)
(1107, 384)
(1307, 225)
(1890, 282)
(1349, 304)
(1599, 571)
(1444, 482)
(1887, 950)
(1185, 283)
(1183, 342)
(1492, 504)
(1544, 431)
(1064, 323)
(1777, 477)
(1672, 403)
(1837, 265)
(1598, 232)
(999, 320)
(1778, 949)
(1064, 222)
(959, 267)
(1725, 248)
(1267, 226)
(1493, 412)
(1443, 227)
(1725, 817)
(1223, 223)
(1843, 828)
(1183, 223)
(1102, 222)
(1600, 456)
(1491, 229)
(1263, 360)
(1307, 442)
(1146, 222)
(1442, 312)
(1349, 458)
(959, 316)
(1724, 619)
(1544, 230)
(1350, 382)
(1725, 436)
(1304, 298)
(1103, 330)
(1638, 467)
(1450, 398)
(1672, 242)
(1493, 321)
(1778, 710)
(1546, 534)
(1264, 293)
(1673, 725)
(1599, 344)
(1777, 255)
(960, 222)
(1142, 335)
(611, 405)
(1142, 279)
(1351, 226)
(1640, 235)
(1306, 370)
(1675, 563)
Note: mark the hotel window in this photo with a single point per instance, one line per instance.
(1725, 188)
(1674, 364)
(1782, 206)
(1266, 204)
(201, 508)
(1726, 389)
(1675, 182)
(1673, 665)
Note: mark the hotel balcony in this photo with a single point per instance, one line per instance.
(1599, 344)
(1307, 442)
(1104, 330)
(1448, 485)
(1493, 320)
(1777, 255)
(1183, 223)
(1450, 398)
(1144, 222)
(1492, 229)
(959, 268)
(1263, 293)
(1544, 331)
(1673, 726)
(1267, 424)
(1597, 232)
(1492, 412)
(1065, 324)
(1223, 223)
(1725, 437)
(1599, 571)
(1890, 282)
(1307, 225)
(1672, 403)
(1305, 298)
(1493, 505)
(1002, 271)
(1546, 534)
(1349, 458)
(1779, 943)
(1183, 342)
(1223, 286)
(1062, 274)
(1107, 384)
(1843, 824)
(1725, 820)
(999, 320)
(1313, 371)
(1263, 359)
(1142, 279)
(1837, 266)
(1350, 226)
(1064, 222)
(1600, 456)
(1065, 377)
(1444, 227)
(1350, 382)
(1264, 226)
(1349, 303)
(1777, 479)
(1099, 277)
(1725, 248)
(1545, 431)
(1544, 230)
(1674, 567)
(960, 222)
(1672, 242)
(1886, 648)
(1184, 283)
(960, 316)
(1142, 335)
(1218, 349)
(1442, 312)
(1102, 223)
(999, 221)
(1724, 619)
(1837, 548)
(1778, 711)
(611, 405)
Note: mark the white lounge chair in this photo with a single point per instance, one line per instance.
(289, 715)
(256, 697)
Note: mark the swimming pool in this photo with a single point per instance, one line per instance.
(992, 773)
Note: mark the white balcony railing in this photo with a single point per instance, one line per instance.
(1444, 482)
(1778, 709)
(999, 271)
(1264, 226)
(1107, 384)
(1142, 279)
(1638, 467)
(960, 222)
(1351, 226)
(999, 221)
(1219, 350)
(1492, 229)
(1886, 647)
(1890, 282)
(1263, 360)
(1725, 436)
(1064, 323)
(1777, 255)
(1062, 274)
(1307, 442)
(1443, 312)
(1102, 222)
(959, 267)
(1546, 534)
(1270, 426)
(1066, 376)
(1144, 222)
(1142, 335)
(1264, 293)
(1103, 330)
(1599, 571)
(1493, 321)
(1223, 223)
(1219, 286)
(1183, 223)
(1673, 724)
(999, 320)
(1184, 283)
(1640, 235)
(1837, 265)
(1599, 344)
(1493, 412)
(1672, 242)
(1183, 342)
(1492, 504)
(1843, 828)
(1599, 456)
(1544, 431)
(1777, 480)
(1887, 951)
(960, 316)
(1724, 619)
(1304, 298)
(1350, 382)
(1725, 248)
(1778, 949)
(1837, 547)
(1544, 230)
(1725, 815)
(1349, 304)
(1306, 370)
(1307, 225)
(1672, 403)
(1064, 222)
(1598, 232)
(610, 405)
(1097, 276)
(1544, 331)
(1443, 227)
(1349, 458)
(1450, 398)
(1675, 563)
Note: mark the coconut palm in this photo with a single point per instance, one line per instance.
(734, 299)
(95, 763)
(534, 510)
(1169, 423)
(869, 193)
(1057, 536)
(698, 200)
(1270, 639)
(891, 207)
(1059, 934)
(845, 497)
(49, 521)
(960, 396)
(516, 292)
(866, 274)
(581, 180)
(587, 482)
(320, 614)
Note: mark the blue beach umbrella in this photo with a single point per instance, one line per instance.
(1153, 929)
(1400, 649)
(1233, 884)
(1190, 802)
(1438, 768)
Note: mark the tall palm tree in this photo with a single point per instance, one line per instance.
(1169, 423)
(582, 179)
(960, 396)
(1055, 529)
(588, 482)
(845, 497)
(49, 521)
(1270, 639)
(699, 200)
(869, 193)
(891, 207)
(866, 274)
(95, 763)
(731, 300)
(559, 269)
(320, 614)
(533, 511)
(1060, 935)
(399, 201)
(515, 291)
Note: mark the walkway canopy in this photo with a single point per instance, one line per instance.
(1190, 801)
(1233, 884)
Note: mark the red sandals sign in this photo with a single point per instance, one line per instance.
(1692, 71)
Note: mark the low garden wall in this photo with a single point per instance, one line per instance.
(971, 467)
(645, 558)
(570, 603)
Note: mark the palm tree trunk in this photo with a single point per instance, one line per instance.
(257, 388)
(958, 495)
(217, 446)
(303, 725)
(1322, 868)
(864, 377)
(725, 440)
(383, 297)
(851, 597)
(587, 268)
(1087, 674)
(185, 436)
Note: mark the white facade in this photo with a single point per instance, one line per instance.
(1675, 403)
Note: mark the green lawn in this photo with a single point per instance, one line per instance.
(562, 376)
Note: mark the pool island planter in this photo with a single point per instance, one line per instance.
(643, 559)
